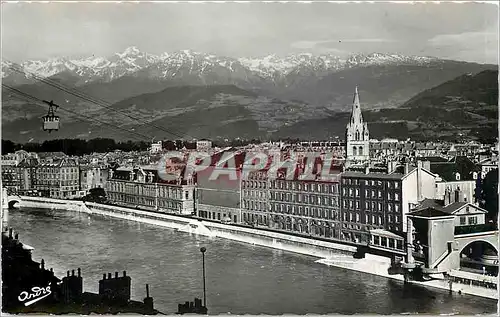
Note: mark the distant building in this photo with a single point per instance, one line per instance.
(203, 145)
(357, 134)
(156, 147)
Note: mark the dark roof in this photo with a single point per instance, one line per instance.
(430, 212)
(447, 170)
(451, 208)
(372, 175)
(433, 203)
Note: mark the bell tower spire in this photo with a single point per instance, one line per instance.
(357, 134)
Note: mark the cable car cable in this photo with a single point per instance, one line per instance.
(89, 119)
(86, 97)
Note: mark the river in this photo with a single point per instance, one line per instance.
(241, 278)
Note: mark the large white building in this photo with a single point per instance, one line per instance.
(357, 134)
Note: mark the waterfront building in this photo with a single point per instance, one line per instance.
(93, 176)
(372, 201)
(58, 179)
(142, 187)
(305, 207)
(357, 134)
(10, 178)
(219, 187)
(452, 238)
(255, 196)
(27, 173)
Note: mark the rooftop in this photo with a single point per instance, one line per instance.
(430, 212)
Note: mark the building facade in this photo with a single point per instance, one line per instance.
(142, 187)
(305, 207)
(93, 176)
(59, 179)
(255, 199)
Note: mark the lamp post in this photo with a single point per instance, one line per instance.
(203, 250)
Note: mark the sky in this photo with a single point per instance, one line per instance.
(466, 31)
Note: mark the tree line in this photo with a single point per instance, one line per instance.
(103, 145)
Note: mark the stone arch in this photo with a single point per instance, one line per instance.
(354, 150)
(478, 240)
(12, 203)
(360, 150)
(357, 136)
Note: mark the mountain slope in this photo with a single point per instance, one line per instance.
(464, 106)
(468, 90)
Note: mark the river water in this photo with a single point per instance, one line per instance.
(241, 278)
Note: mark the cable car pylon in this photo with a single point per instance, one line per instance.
(51, 121)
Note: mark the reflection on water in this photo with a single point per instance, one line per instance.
(241, 278)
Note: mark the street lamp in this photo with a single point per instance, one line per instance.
(203, 250)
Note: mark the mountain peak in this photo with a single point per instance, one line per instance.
(132, 50)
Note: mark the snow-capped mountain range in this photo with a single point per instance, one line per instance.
(184, 63)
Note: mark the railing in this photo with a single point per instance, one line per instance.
(475, 228)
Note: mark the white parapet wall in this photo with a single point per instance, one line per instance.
(329, 253)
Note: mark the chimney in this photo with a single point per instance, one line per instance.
(109, 276)
(447, 196)
(124, 273)
(79, 272)
(67, 273)
(42, 264)
(10, 232)
(72, 272)
(147, 290)
(458, 195)
(104, 276)
(116, 274)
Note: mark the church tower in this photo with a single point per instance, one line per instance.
(357, 134)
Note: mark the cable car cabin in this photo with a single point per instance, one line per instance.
(50, 123)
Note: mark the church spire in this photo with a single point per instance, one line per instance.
(356, 115)
(355, 102)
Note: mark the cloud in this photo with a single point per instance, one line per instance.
(471, 46)
(466, 38)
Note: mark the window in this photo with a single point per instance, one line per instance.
(399, 244)
(396, 196)
(473, 220)
(462, 221)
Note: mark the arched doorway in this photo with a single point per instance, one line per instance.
(479, 257)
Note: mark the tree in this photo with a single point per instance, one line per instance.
(489, 194)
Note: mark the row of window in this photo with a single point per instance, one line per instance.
(305, 199)
(471, 220)
(386, 242)
(356, 181)
(354, 192)
(147, 190)
(371, 206)
(253, 184)
(257, 205)
(254, 194)
(304, 211)
(300, 186)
